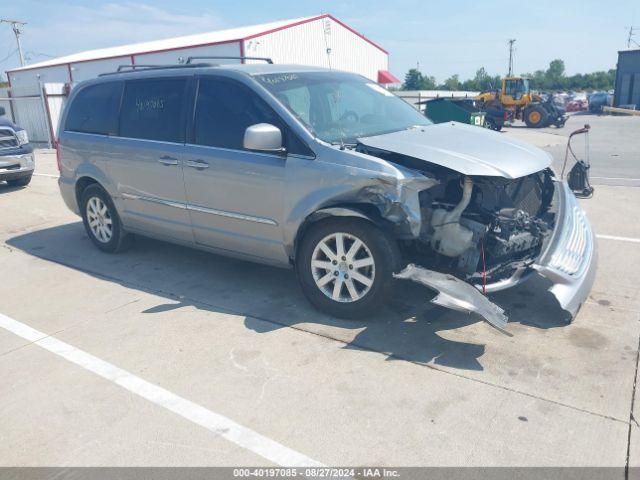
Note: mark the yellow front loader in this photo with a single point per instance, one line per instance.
(516, 96)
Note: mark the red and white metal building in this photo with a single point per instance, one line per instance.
(321, 40)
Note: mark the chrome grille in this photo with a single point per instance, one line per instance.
(570, 256)
(7, 138)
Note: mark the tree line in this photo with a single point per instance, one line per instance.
(553, 78)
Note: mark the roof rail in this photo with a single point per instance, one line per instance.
(264, 59)
(133, 68)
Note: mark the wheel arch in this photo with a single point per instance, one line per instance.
(81, 185)
(365, 212)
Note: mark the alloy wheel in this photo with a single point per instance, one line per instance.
(343, 267)
(99, 220)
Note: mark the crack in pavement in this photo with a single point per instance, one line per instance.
(195, 302)
(631, 417)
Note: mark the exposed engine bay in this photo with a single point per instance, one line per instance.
(480, 229)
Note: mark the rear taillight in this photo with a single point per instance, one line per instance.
(58, 161)
(506, 115)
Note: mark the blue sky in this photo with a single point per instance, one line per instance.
(444, 37)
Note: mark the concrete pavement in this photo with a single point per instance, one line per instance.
(414, 385)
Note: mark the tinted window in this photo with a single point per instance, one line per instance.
(224, 110)
(152, 109)
(95, 109)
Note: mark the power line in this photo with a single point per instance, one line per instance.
(39, 54)
(16, 26)
(9, 55)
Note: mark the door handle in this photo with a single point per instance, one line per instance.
(167, 160)
(199, 164)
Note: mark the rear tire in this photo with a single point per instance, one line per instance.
(536, 116)
(101, 220)
(19, 182)
(330, 276)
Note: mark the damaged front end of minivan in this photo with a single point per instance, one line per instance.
(485, 227)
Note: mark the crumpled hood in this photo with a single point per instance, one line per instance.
(466, 149)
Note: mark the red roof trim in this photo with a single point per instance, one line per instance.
(357, 33)
(284, 27)
(240, 40)
(313, 19)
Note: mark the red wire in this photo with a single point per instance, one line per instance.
(484, 270)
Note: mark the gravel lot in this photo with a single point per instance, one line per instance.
(234, 342)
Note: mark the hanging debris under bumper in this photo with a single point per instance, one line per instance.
(456, 294)
(568, 260)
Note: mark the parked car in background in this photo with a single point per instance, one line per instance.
(598, 100)
(496, 116)
(323, 171)
(576, 102)
(16, 154)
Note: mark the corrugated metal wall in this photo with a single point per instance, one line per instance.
(29, 113)
(627, 91)
(27, 109)
(56, 100)
(322, 42)
(174, 56)
(30, 79)
(307, 44)
(86, 70)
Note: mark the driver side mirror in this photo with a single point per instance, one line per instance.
(2, 111)
(263, 137)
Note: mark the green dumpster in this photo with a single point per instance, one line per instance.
(445, 109)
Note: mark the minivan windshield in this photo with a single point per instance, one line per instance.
(340, 107)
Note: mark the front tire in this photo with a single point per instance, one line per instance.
(101, 220)
(536, 116)
(345, 266)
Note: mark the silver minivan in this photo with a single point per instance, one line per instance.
(319, 170)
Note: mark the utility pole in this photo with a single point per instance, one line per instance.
(630, 37)
(16, 25)
(511, 42)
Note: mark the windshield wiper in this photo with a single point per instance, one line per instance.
(344, 144)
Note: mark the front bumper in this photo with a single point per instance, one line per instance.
(16, 166)
(570, 257)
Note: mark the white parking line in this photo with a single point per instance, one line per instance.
(46, 175)
(620, 239)
(617, 178)
(215, 422)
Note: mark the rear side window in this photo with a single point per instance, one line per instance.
(153, 109)
(95, 109)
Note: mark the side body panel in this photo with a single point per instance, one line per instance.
(148, 180)
(236, 202)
